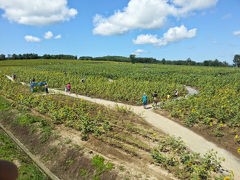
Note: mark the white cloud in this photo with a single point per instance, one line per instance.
(236, 33)
(138, 52)
(146, 14)
(37, 12)
(227, 16)
(190, 5)
(172, 35)
(48, 35)
(58, 36)
(147, 39)
(32, 39)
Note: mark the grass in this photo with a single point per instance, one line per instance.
(99, 167)
(35, 122)
(23, 118)
(84, 174)
(28, 170)
(4, 104)
(10, 152)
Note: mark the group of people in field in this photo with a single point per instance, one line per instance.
(67, 87)
(155, 98)
(144, 97)
(45, 85)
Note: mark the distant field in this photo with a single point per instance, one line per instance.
(117, 132)
(216, 106)
(122, 82)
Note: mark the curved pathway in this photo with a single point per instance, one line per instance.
(194, 141)
(191, 91)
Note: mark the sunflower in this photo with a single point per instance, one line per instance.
(227, 178)
(238, 150)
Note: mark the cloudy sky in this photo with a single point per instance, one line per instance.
(170, 29)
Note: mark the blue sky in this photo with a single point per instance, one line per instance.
(170, 29)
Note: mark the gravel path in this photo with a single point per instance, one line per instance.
(194, 141)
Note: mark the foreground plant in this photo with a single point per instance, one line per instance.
(173, 154)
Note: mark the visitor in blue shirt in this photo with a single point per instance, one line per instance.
(144, 98)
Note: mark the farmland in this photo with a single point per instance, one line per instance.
(215, 108)
(10, 152)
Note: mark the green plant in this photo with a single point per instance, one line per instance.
(172, 152)
(70, 161)
(9, 151)
(100, 165)
(46, 131)
(217, 132)
(84, 173)
(68, 141)
(4, 104)
(122, 109)
(121, 168)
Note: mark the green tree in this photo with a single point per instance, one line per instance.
(163, 61)
(236, 60)
(2, 57)
(189, 61)
(133, 58)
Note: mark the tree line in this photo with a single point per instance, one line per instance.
(35, 56)
(190, 62)
(120, 59)
(132, 58)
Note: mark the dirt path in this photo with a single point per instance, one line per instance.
(191, 91)
(194, 141)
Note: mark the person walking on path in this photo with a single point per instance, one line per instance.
(14, 77)
(68, 87)
(46, 88)
(168, 96)
(154, 98)
(176, 93)
(144, 98)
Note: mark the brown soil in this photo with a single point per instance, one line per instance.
(227, 141)
(63, 161)
(66, 162)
